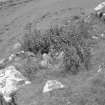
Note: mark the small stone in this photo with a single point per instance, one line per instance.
(102, 35)
(52, 85)
(11, 57)
(2, 61)
(45, 60)
(17, 45)
(94, 37)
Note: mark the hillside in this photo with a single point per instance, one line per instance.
(20, 19)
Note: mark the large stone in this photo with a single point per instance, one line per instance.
(100, 6)
(9, 79)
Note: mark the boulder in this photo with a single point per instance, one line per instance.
(9, 78)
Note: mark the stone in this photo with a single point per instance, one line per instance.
(11, 57)
(45, 60)
(100, 6)
(17, 45)
(2, 61)
(51, 85)
(9, 78)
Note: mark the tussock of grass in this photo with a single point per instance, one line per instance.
(74, 40)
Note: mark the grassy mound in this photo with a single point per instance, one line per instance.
(74, 40)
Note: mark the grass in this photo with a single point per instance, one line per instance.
(90, 93)
(74, 40)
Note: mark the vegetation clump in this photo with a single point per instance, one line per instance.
(74, 40)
